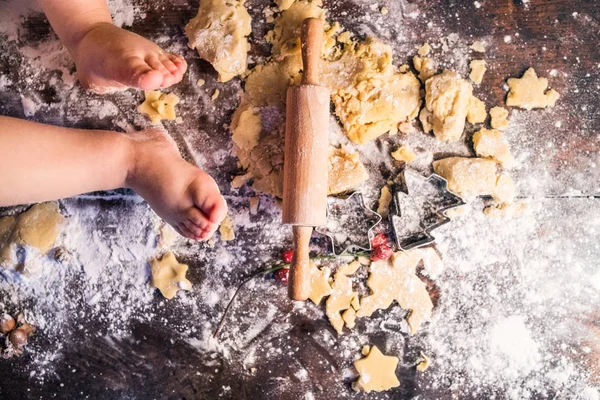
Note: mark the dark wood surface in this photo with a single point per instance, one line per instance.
(154, 359)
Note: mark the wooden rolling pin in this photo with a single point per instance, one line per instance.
(306, 158)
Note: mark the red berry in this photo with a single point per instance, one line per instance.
(282, 275)
(379, 240)
(382, 252)
(287, 256)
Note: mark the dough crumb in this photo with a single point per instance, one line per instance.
(226, 229)
(158, 106)
(530, 92)
(425, 67)
(384, 11)
(319, 283)
(499, 118)
(404, 154)
(424, 50)
(478, 68)
(490, 143)
(215, 94)
(377, 372)
(447, 100)
(385, 198)
(168, 275)
(240, 180)
(346, 171)
(254, 202)
(424, 363)
(342, 297)
(200, 82)
(219, 35)
(478, 46)
(476, 113)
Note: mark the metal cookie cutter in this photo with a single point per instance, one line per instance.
(349, 223)
(420, 208)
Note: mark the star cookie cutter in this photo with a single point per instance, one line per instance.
(420, 208)
(349, 223)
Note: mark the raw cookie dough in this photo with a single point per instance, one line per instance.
(472, 177)
(424, 50)
(530, 92)
(168, 275)
(447, 101)
(226, 229)
(343, 298)
(383, 205)
(476, 113)
(346, 172)
(319, 283)
(370, 95)
(219, 34)
(478, 68)
(404, 154)
(499, 118)
(478, 46)
(396, 279)
(377, 372)
(38, 227)
(158, 106)
(425, 66)
(490, 143)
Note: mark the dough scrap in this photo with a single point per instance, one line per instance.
(447, 101)
(491, 143)
(219, 35)
(404, 154)
(377, 372)
(425, 67)
(424, 50)
(472, 177)
(168, 275)
(530, 92)
(158, 106)
(396, 279)
(499, 118)
(319, 283)
(38, 227)
(478, 46)
(476, 113)
(383, 205)
(478, 68)
(226, 229)
(342, 297)
(424, 363)
(346, 171)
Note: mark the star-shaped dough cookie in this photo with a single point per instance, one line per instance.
(342, 298)
(159, 106)
(377, 372)
(168, 275)
(319, 283)
(530, 92)
(396, 279)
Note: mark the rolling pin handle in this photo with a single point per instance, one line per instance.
(312, 41)
(299, 278)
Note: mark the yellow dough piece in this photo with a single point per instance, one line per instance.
(447, 101)
(404, 154)
(342, 297)
(158, 106)
(530, 92)
(476, 113)
(38, 227)
(383, 205)
(499, 116)
(472, 177)
(478, 68)
(478, 46)
(396, 279)
(377, 372)
(168, 275)
(424, 50)
(424, 363)
(425, 67)
(319, 283)
(226, 229)
(346, 171)
(285, 36)
(491, 143)
(219, 34)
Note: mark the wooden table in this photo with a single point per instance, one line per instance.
(156, 354)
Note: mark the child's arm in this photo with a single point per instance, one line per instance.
(72, 19)
(42, 162)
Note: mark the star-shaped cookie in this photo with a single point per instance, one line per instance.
(529, 92)
(377, 372)
(319, 283)
(168, 275)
